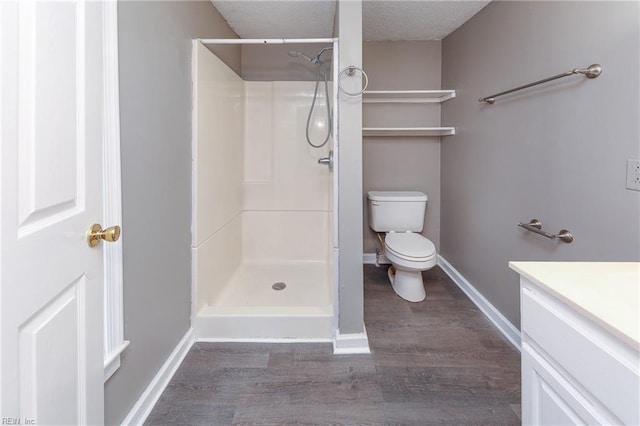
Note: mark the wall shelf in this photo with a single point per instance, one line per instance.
(408, 131)
(408, 96)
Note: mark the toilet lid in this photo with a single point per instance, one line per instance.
(409, 245)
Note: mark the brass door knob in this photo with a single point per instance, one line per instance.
(96, 233)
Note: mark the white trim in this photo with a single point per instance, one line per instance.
(336, 291)
(265, 40)
(112, 361)
(194, 180)
(151, 394)
(3, 57)
(510, 332)
(260, 340)
(370, 259)
(335, 218)
(355, 343)
(114, 342)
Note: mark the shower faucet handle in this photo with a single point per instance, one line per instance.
(327, 160)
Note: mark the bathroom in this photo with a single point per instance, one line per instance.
(542, 154)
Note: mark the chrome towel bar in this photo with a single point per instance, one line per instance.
(535, 226)
(592, 72)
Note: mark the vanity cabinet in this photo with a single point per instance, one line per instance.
(580, 363)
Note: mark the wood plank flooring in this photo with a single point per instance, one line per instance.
(439, 361)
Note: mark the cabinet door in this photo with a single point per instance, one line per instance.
(549, 399)
(605, 369)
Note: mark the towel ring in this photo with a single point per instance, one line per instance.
(350, 71)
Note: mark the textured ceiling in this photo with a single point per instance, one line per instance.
(382, 19)
(279, 18)
(415, 20)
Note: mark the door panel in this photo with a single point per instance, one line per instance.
(52, 337)
(51, 70)
(51, 135)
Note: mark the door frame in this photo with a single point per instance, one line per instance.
(114, 342)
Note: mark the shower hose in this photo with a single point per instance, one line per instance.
(320, 68)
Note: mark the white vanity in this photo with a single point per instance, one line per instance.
(580, 342)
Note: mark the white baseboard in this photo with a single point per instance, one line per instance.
(370, 259)
(511, 333)
(355, 343)
(151, 394)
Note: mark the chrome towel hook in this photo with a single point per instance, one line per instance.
(350, 71)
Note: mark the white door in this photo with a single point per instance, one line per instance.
(51, 281)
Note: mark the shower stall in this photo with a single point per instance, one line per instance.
(264, 245)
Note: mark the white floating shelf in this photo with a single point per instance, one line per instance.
(408, 96)
(408, 131)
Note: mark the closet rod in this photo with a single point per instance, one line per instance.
(592, 72)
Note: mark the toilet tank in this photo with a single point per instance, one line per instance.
(396, 210)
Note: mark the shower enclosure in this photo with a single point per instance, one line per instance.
(264, 245)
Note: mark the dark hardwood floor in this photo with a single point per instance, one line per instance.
(439, 361)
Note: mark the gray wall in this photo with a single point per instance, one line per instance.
(155, 112)
(271, 62)
(402, 163)
(557, 152)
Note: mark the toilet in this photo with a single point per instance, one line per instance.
(400, 215)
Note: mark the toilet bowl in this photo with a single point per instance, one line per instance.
(400, 215)
(410, 253)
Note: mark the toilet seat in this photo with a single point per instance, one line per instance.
(410, 246)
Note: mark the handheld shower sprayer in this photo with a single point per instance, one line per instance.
(321, 72)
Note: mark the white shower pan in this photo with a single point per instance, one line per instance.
(250, 309)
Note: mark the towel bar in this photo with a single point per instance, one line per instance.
(592, 71)
(535, 226)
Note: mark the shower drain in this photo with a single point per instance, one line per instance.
(279, 286)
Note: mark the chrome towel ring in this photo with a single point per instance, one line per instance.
(350, 72)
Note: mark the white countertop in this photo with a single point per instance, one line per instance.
(606, 292)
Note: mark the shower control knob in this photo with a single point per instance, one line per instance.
(327, 160)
